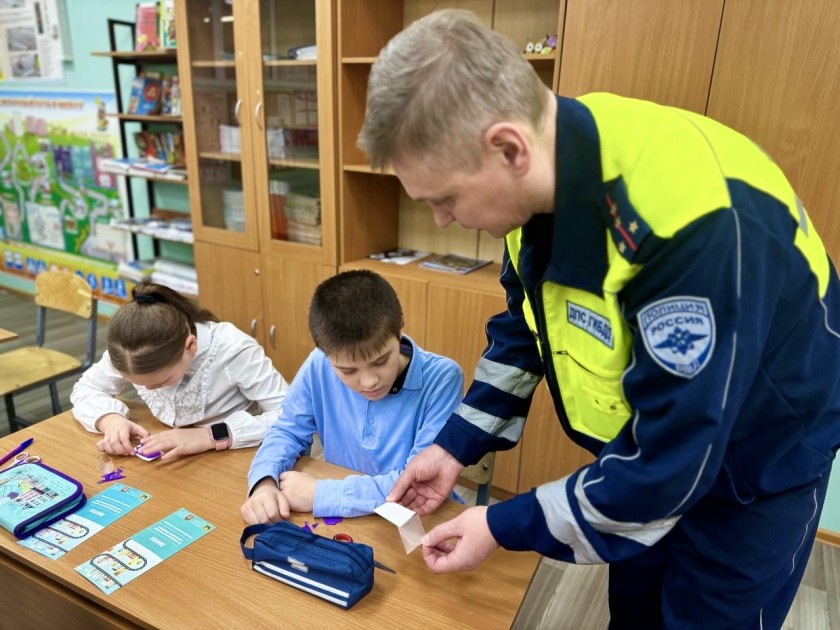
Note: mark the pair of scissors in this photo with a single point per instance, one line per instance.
(23, 458)
(348, 539)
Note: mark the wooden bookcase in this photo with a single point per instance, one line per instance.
(259, 133)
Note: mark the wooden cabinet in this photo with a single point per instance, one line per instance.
(230, 285)
(649, 49)
(777, 80)
(258, 120)
(287, 288)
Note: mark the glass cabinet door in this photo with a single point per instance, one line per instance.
(294, 155)
(221, 185)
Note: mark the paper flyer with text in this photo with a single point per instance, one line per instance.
(132, 557)
(99, 512)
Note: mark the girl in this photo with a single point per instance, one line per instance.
(208, 380)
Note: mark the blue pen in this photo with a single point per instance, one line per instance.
(16, 450)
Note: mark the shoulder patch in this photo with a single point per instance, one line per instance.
(679, 333)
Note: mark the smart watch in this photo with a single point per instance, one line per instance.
(221, 435)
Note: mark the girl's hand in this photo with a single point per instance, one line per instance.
(118, 432)
(179, 442)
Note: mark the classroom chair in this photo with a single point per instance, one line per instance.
(26, 368)
(481, 473)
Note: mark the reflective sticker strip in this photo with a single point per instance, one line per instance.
(507, 378)
(318, 589)
(679, 333)
(561, 521)
(511, 429)
(646, 534)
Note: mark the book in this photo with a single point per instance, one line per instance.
(308, 51)
(181, 285)
(454, 263)
(399, 256)
(146, 27)
(166, 25)
(118, 166)
(146, 94)
(136, 270)
(34, 496)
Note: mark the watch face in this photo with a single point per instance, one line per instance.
(220, 432)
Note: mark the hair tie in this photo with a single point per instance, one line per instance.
(144, 298)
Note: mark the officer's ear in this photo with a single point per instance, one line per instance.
(506, 141)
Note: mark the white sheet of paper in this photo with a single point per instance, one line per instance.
(407, 521)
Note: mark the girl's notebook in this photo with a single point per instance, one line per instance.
(33, 496)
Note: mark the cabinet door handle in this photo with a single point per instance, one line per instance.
(254, 328)
(257, 115)
(271, 332)
(236, 110)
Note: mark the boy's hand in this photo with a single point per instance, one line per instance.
(299, 489)
(179, 442)
(118, 432)
(266, 504)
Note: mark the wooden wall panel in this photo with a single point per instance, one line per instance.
(649, 49)
(777, 80)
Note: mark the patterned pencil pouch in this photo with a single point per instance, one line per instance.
(33, 496)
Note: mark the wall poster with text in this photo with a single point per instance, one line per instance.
(30, 41)
(52, 194)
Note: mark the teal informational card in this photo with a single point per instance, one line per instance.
(99, 512)
(132, 557)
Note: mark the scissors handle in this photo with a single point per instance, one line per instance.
(23, 458)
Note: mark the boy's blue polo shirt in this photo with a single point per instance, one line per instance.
(376, 438)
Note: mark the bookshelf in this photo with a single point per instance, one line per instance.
(143, 189)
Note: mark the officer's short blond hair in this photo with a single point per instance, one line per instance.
(438, 85)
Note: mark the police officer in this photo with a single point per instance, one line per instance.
(665, 282)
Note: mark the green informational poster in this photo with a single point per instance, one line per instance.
(55, 204)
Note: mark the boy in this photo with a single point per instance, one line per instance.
(373, 396)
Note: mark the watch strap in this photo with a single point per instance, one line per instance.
(221, 436)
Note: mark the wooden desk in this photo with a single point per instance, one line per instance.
(209, 584)
(7, 335)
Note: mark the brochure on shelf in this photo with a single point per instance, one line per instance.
(454, 263)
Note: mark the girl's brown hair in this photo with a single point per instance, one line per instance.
(150, 333)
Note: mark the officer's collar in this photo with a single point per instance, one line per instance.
(579, 253)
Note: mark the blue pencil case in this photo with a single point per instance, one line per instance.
(33, 496)
(338, 572)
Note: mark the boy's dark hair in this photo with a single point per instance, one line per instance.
(354, 312)
(150, 333)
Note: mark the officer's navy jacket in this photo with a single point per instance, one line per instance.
(685, 316)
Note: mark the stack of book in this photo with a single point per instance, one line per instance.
(233, 204)
(160, 146)
(229, 139)
(135, 270)
(178, 230)
(175, 275)
(276, 141)
(303, 215)
(158, 169)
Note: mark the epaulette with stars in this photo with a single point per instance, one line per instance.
(627, 227)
